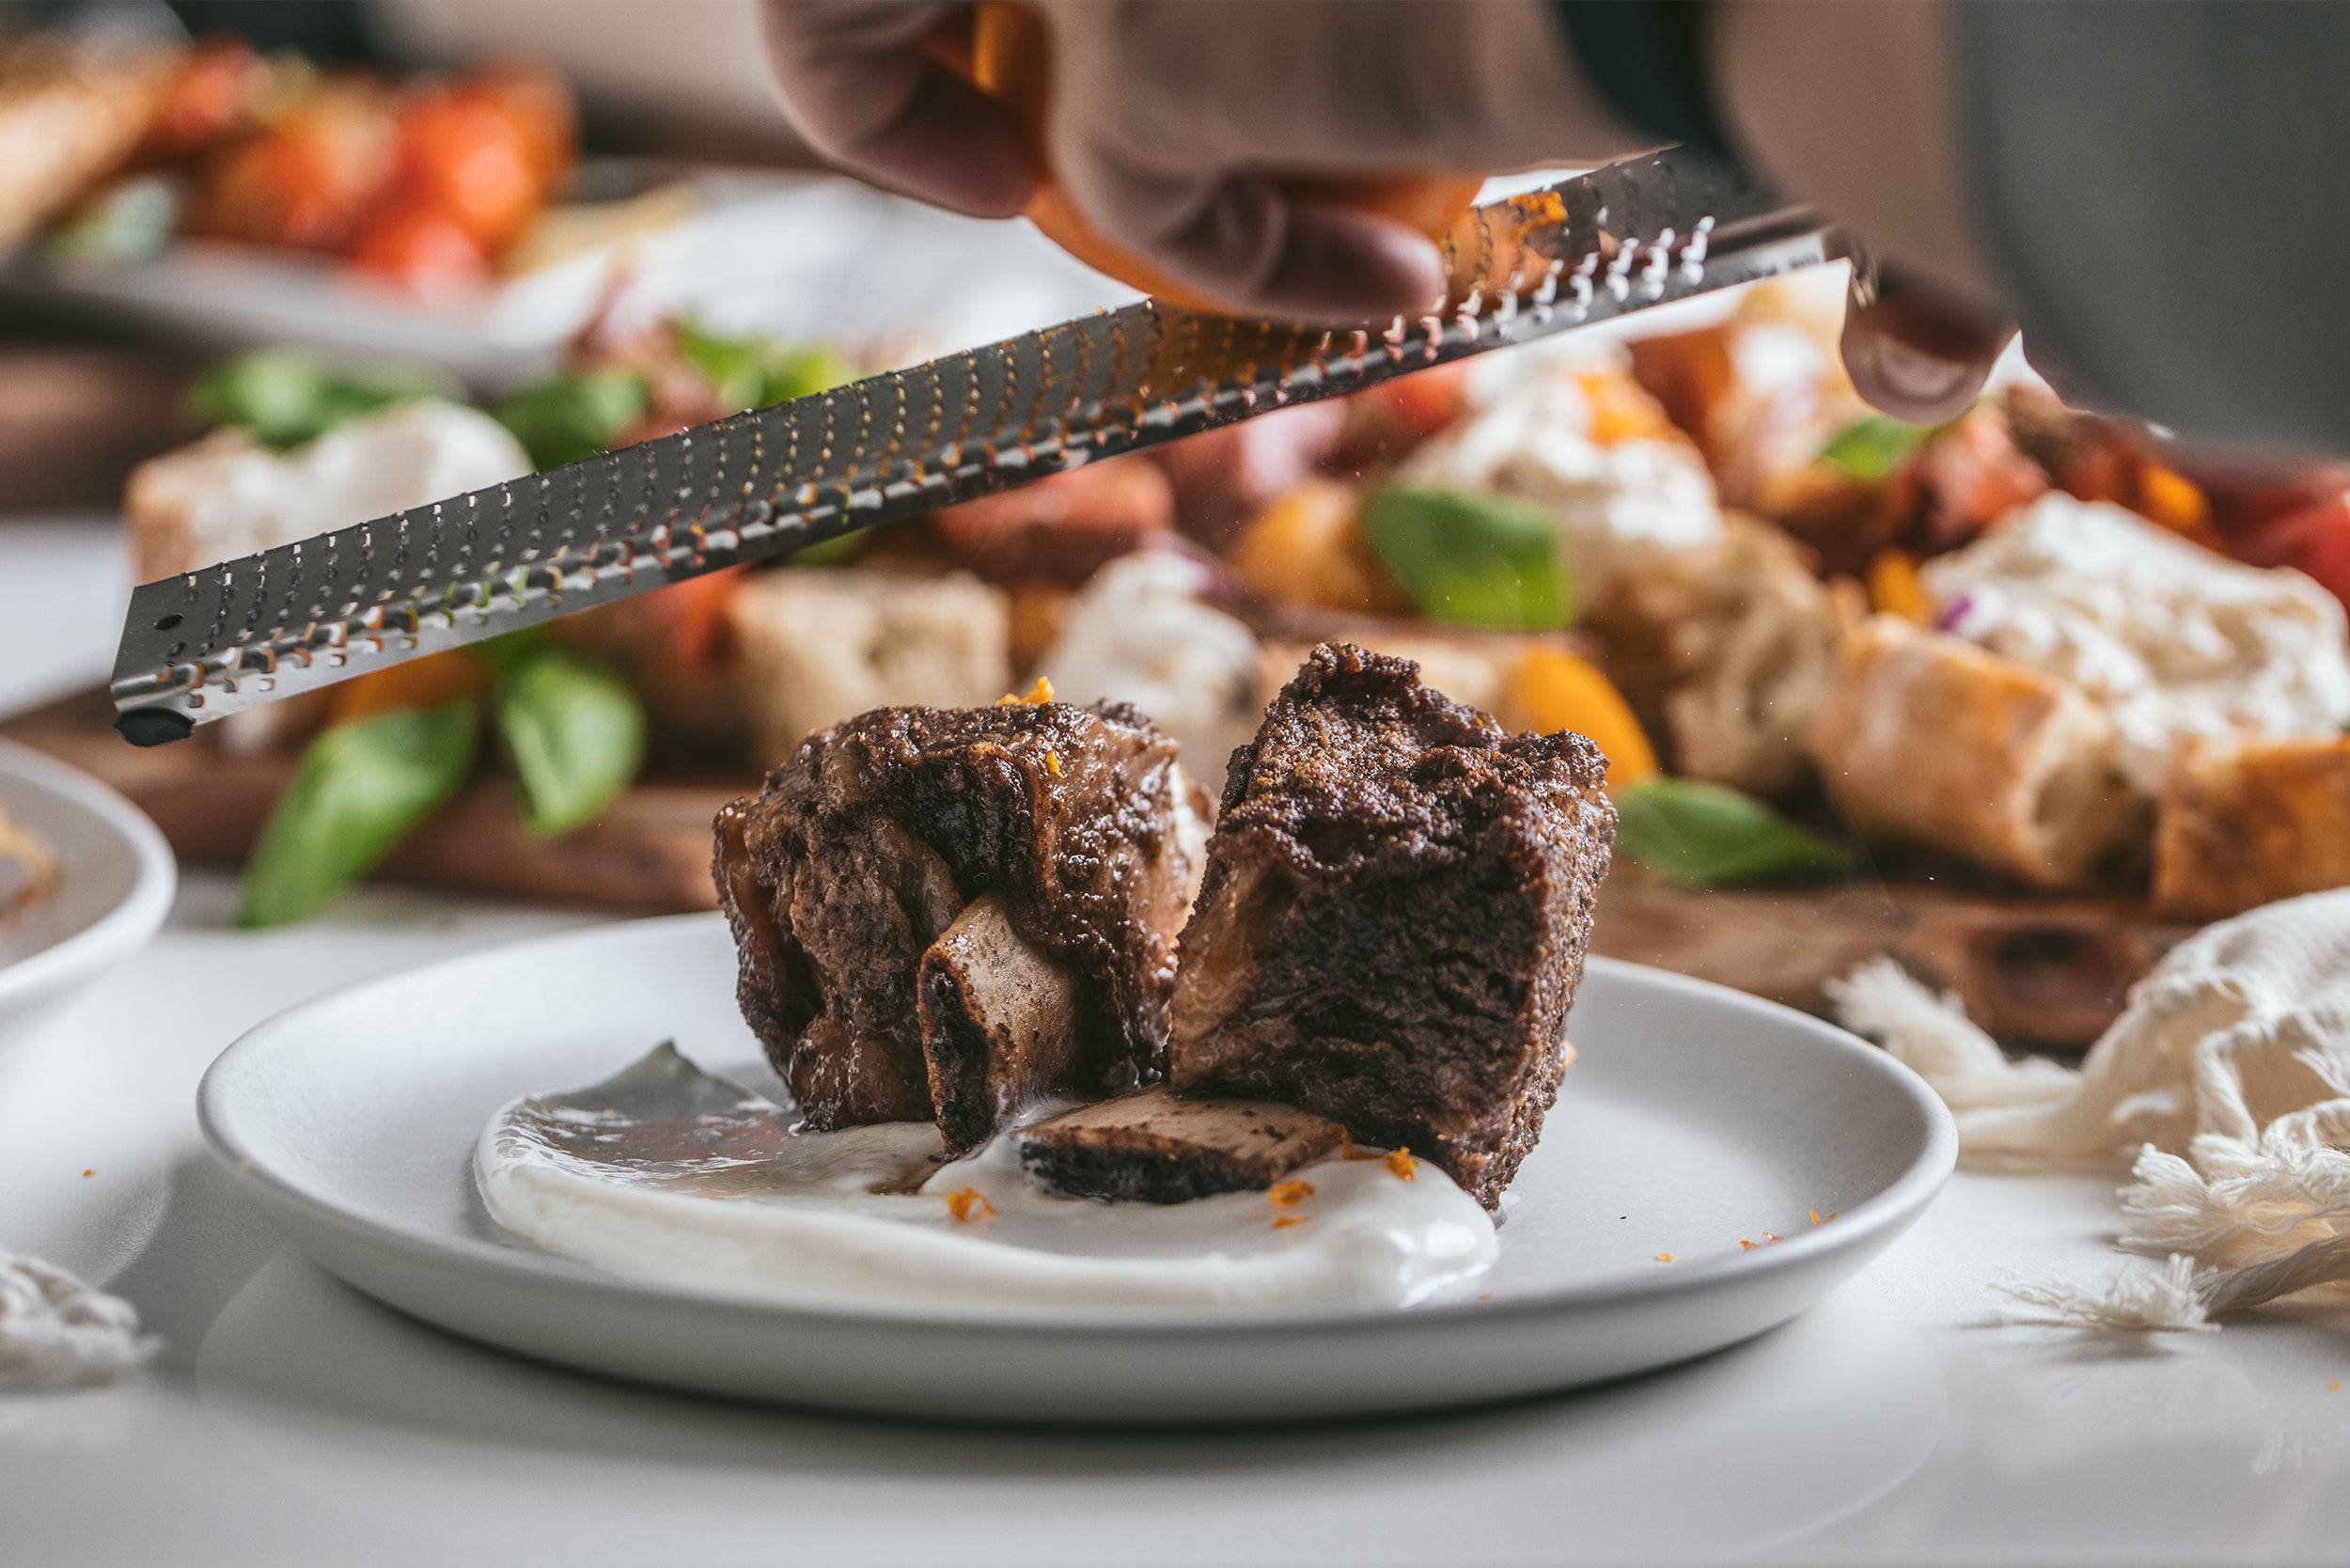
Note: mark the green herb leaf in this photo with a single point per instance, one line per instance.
(288, 398)
(575, 733)
(1872, 447)
(1705, 836)
(757, 372)
(360, 788)
(574, 417)
(1473, 560)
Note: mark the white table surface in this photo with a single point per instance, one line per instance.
(289, 1421)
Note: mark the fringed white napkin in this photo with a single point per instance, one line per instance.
(57, 1331)
(2229, 1077)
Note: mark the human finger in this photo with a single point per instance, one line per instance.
(864, 86)
(1916, 353)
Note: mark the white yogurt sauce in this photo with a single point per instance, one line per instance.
(2174, 642)
(1618, 506)
(666, 1172)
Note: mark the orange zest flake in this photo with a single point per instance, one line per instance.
(2335, 1387)
(1404, 1167)
(967, 1202)
(1744, 1245)
(1347, 1150)
(1288, 1195)
(1052, 763)
(1282, 1222)
(1815, 1217)
(87, 1173)
(1038, 695)
(1768, 1237)
(1664, 1256)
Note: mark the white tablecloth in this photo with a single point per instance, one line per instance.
(292, 1421)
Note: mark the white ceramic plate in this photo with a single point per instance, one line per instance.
(1698, 1117)
(116, 880)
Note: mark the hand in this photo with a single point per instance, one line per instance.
(873, 88)
(1170, 126)
(1918, 352)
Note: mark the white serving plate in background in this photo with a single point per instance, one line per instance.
(116, 877)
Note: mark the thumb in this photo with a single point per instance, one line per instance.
(1259, 248)
(861, 83)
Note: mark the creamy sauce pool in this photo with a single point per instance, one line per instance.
(667, 1173)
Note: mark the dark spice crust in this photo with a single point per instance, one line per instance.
(861, 848)
(1398, 898)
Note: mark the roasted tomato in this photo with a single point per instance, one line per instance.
(211, 92)
(462, 155)
(306, 182)
(538, 104)
(1061, 529)
(421, 247)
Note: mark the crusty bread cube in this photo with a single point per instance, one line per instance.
(822, 646)
(1930, 739)
(2251, 823)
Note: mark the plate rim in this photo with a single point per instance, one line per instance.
(135, 917)
(1866, 1226)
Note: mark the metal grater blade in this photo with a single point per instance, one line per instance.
(207, 643)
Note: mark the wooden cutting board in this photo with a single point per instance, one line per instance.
(2034, 971)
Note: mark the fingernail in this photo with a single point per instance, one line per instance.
(1911, 372)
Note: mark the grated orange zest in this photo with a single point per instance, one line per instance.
(1286, 1195)
(1052, 763)
(1405, 1167)
(967, 1202)
(1038, 695)
(1283, 1222)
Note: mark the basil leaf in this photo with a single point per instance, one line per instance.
(574, 417)
(288, 398)
(358, 790)
(756, 371)
(1473, 560)
(575, 734)
(1872, 447)
(1705, 836)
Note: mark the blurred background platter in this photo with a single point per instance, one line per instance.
(308, 265)
(799, 255)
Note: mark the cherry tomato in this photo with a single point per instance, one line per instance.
(305, 182)
(213, 90)
(466, 158)
(422, 248)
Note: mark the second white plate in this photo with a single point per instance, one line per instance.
(1670, 1210)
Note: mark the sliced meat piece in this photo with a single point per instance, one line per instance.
(1154, 1147)
(1398, 898)
(1000, 1025)
(863, 849)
